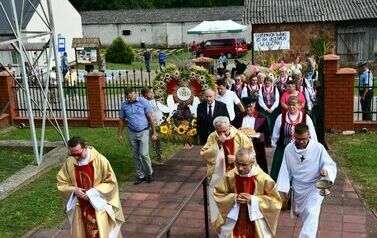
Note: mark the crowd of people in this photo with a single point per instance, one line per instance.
(245, 198)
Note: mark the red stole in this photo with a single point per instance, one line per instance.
(244, 228)
(84, 179)
(229, 150)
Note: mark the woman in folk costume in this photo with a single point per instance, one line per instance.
(268, 101)
(292, 91)
(248, 201)
(305, 87)
(251, 119)
(261, 77)
(282, 80)
(237, 86)
(283, 132)
(219, 154)
(251, 89)
(296, 65)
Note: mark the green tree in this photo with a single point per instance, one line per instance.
(120, 52)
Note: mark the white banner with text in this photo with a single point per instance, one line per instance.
(271, 41)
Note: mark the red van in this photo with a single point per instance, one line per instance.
(231, 47)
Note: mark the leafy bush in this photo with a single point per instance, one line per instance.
(320, 46)
(120, 52)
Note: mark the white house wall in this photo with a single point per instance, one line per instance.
(175, 34)
(67, 23)
(157, 34)
(139, 33)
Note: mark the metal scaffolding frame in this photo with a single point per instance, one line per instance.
(16, 37)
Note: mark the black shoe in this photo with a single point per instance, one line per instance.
(150, 178)
(139, 181)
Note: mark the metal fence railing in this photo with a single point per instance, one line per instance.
(117, 82)
(370, 112)
(75, 98)
(203, 183)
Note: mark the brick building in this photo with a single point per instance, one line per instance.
(349, 25)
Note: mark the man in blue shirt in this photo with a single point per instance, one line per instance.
(223, 59)
(162, 59)
(136, 114)
(365, 90)
(64, 64)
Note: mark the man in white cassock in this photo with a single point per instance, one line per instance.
(304, 162)
(248, 201)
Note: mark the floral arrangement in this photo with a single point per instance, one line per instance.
(195, 77)
(183, 131)
(181, 126)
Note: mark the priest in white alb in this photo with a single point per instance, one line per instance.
(219, 154)
(304, 162)
(248, 200)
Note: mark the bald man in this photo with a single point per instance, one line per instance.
(206, 112)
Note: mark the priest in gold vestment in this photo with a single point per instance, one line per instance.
(247, 199)
(219, 154)
(89, 189)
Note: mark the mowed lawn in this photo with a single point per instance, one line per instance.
(12, 160)
(39, 204)
(357, 155)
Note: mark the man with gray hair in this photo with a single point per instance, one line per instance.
(219, 154)
(206, 112)
(247, 199)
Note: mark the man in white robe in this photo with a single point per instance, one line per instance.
(305, 161)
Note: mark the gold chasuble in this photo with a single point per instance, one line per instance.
(210, 151)
(263, 188)
(85, 221)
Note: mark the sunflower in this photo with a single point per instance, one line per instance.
(191, 132)
(202, 78)
(167, 76)
(161, 83)
(182, 129)
(193, 123)
(184, 81)
(164, 129)
(205, 87)
(159, 91)
(170, 131)
(271, 75)
(192, 74)
(176, 73)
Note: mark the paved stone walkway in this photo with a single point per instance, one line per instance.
(149, 207)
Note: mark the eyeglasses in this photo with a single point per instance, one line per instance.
(76, 154)
(242, 165)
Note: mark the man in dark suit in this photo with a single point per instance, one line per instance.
(206, 112)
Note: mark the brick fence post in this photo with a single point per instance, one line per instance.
(339, 96)
(96, 98)
(7, 99)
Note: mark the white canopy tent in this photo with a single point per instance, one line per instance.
(216, 27)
